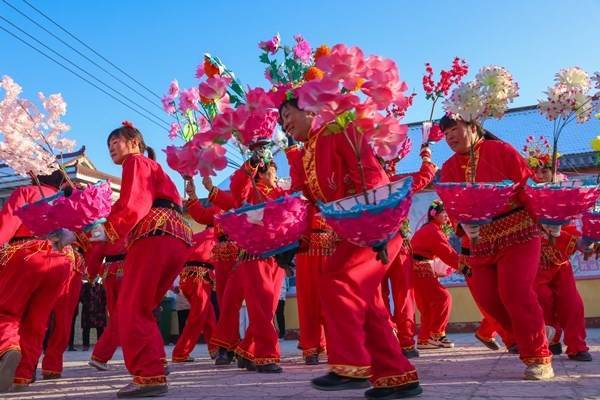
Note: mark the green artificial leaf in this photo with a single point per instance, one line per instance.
(264, 58)
(189, 130)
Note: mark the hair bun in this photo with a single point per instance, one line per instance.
(128, 124)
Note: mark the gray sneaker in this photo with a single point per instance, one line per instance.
(8, 365)
(539, 372)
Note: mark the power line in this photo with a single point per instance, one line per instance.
(90, 48)
(81, 77)
(153, 102)
(83, 70)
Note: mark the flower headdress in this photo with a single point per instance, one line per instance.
(538, 152)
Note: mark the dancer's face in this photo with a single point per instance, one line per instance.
(460, 137)
(543, 175)
(120, 147)
(296, 122)
(269, 178)
(442, 218)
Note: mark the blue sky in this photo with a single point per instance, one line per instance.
(156, 41)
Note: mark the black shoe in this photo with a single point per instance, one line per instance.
(333, 381)
(513, 349)
(399, 392)
(167, 369)
(269, 368)
(133, 390)
(8, 365)
(556, 348)
(312, 360)
(242, 362)
(71, 348)
(490, 344)
(224, 357)
(410, 353)
(581, 356)
(250, 366)
(49, 376)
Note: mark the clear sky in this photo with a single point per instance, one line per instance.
(156, 41)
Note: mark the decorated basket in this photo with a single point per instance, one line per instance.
(475, 203)
(559, 203)
(268, 228)
(591, 225)
(82, 210)
(372, 223)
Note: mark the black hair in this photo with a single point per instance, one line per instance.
(447, 122)
(438, 206)
(129, 132)
(287, 102)
(55, 179)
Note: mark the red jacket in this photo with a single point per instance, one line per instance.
(243, 189)
(559, 253)
(429, 242)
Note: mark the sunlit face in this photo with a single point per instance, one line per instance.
(460, 137)
(442, 218)
(269, 178)
(296, 122)
(543, 175)
(119, 148)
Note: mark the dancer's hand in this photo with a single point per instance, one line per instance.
(62, 238)
(552, 230)
(208, 183)
(190, 189)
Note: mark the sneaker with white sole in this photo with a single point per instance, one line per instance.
(442, 342)
(427, 346)
(539, 372)
(100, 366)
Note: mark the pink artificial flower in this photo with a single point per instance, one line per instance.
(214, 88)
(258, 127)
(182, 159)
(345, 64)
(302, 50)
(203, 124)
(227, 122)
(200, 70)
(174, 130)
(168, 104)
(270, 46)
(189, 100)
(387, 138)
(174, 88)
(435, 133)
(258, 99)
(383, 85)
(405, 148)
(278, 94)
(211, 159)
(325, 100)
(268, 74)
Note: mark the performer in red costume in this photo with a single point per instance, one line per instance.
(32, 279)
(225, 336)
(148, 213)
(505, 257)
(555, 285)
(399, 275)
(256, 182)
(433, 299)
(361, 344)
(52, 362)
(108, 261)
(196, 282)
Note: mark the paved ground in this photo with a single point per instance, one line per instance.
(468, 371)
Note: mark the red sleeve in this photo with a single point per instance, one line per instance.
(515, 165)
(294, 157)
(137, 195)
(241, 183)
(9, 222)
(566, 243)
(202, 215)
(374, 174)
(423, 177)
(93, 258)
(443, 250)
(222, 199)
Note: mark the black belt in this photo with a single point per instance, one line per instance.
(465, 251)
(164, 203)
(115, 258)
(508, 213)
(223, 238)
(199, 264)
(21, 239)
(421, 258)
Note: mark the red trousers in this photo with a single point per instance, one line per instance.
(109, 341)
(200, 320)
(434, 303)
(360, 339)
(223, 271)
(561, 302)
(310, 319)
(52, 363)
(151, 266)
(30, 283)
(262, 284)
(227, 331)
(503, 286)
(399, 275)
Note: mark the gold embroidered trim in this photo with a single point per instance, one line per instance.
(265, 361)
(162, 219)
(397, 380)
(225, 251)
(310, 167)
(537, 360)
(150, 380)
(351, 371)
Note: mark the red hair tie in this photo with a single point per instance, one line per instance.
(127, 124)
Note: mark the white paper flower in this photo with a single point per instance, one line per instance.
(575, 78)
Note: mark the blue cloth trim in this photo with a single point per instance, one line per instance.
(403, 193)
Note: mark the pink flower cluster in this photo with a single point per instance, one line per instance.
(447, 78)
(196, 157)
(271, 45)
(30, 138)
(360, 88)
